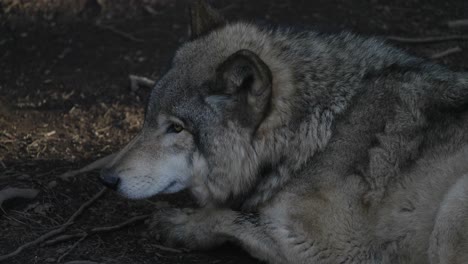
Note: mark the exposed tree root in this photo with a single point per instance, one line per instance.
(10, 193)
(95, 230)
(57, 231)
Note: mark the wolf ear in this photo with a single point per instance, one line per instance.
(244, 73)
(203, 18)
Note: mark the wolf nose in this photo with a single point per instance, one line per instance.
(109, 179)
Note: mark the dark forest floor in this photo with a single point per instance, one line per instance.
(65, 101)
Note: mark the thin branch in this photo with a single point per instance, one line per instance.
(33, 243)
(63, 238)
(98, 164)
(424, 40)
(446, 52)
(458, 23)
(168, 249)
(95, 230)
(58, 230)
(86, 205)
(71, 249)
(119, 226)
(10, 193)
(137, 81)
(119, 32)
(81, 262)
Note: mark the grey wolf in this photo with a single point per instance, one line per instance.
(304, 147)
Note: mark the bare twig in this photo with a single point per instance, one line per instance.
(168, 249)
(425, 40)
(119, 32)
(64, 238)
(95, 230)
(119, 226)
(458, 23)
(137, 81)
(81, 262)
(446, 52)
(33, 243)
(9, 193)
(58, 230)
(98, 164)
(228, 7)
(86, 205)
(71, 249)
(151, 10)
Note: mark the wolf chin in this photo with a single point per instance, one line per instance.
(304, 147)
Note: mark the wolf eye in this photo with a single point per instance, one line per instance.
(175, 128)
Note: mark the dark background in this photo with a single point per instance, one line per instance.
(65, 101)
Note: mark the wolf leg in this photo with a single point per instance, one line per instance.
(449, 238)
(206, 228)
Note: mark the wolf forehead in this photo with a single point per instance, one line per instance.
(178, 95)
(192, 73)
(203, 54)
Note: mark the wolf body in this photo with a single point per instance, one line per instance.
(304, 147)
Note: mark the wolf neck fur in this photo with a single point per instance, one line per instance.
(305, 139)
(279, 133)
(296, 88)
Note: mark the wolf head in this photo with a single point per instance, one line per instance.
(204, 115)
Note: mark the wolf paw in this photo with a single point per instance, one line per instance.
(170, 226)
(186, 228)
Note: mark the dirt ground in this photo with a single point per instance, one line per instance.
(65, 101)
